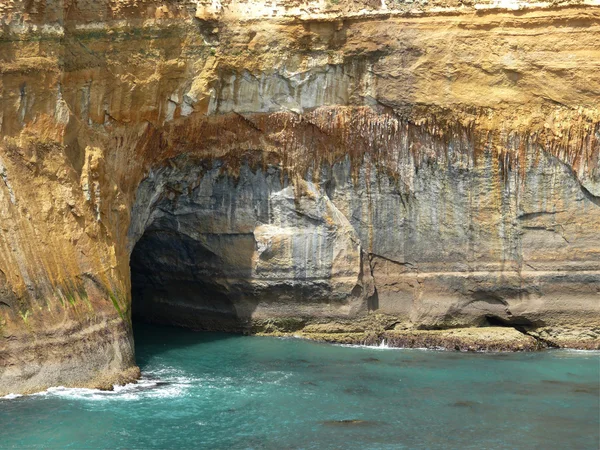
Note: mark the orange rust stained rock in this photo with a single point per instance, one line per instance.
(453, 148)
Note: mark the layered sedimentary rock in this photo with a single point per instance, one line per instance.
(351, 171)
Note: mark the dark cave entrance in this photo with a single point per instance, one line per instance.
(192, 244)
(178, 280)
(236, 252)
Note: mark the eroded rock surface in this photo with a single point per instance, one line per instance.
(350, 171)
(219, 251)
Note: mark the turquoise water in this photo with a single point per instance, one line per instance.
(204, 390)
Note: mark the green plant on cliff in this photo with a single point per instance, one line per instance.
(115, 302)
(70, 298)
(25, 315)
(83, 295)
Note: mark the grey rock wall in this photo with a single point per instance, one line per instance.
(217, 247)
(449, 243)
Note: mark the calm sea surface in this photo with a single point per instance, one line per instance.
(207, 390)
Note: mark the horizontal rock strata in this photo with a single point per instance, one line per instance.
(235, 164)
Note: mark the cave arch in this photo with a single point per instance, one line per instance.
(229, 250)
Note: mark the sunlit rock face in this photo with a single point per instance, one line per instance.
(242, 165)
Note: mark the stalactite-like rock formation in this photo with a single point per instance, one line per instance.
(421, 172)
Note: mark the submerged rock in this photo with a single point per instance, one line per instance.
(348, 422)
(465, 404)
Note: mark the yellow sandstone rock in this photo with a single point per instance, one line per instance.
(277, 166)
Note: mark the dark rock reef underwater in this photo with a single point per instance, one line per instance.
(424, 175)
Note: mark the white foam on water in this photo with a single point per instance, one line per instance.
(272, 377)
(382, 346)
(131, 391)
(11, 396)
(575, 350)
(161, 383)
(569, 352)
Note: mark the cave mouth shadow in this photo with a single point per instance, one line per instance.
(152, 339)
(180, 281)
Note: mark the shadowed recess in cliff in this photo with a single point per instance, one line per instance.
(220, 251)
(179, 280)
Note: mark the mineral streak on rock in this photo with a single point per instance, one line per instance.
(349, 171)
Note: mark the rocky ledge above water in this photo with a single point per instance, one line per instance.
(427, 173)
(389, 331)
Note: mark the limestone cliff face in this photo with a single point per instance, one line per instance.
(292, 164)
